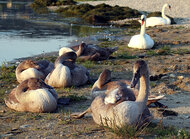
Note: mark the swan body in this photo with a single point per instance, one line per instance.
(32, 95)
(66, 73)
(164, 20)
(90, 52)
(32, 69)
(141, 41)
(59, 77)
(132, 112)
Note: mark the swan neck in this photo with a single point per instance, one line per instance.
(144, 89)
(79, 51)
(59, 60)
(163, 12)
(143, 29)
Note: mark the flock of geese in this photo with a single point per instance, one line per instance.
(114, 102)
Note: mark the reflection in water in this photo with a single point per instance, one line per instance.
(24, 33)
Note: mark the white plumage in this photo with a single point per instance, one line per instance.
(164, 20)
(141, 41)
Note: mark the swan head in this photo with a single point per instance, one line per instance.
(143, 19)
(139, 69)
(167, 5)
(32, 84)
(29, 64)
(66, 59)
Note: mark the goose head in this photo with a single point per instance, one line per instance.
(139, 69)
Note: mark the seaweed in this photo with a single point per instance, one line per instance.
(98, 14)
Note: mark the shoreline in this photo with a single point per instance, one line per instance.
(184, 20)
(179, 10)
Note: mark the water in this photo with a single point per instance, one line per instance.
(24, 33)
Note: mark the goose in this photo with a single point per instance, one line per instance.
(33, 69)
(66, 73)
(91, 52)
(32, 95)
(141, 41)
(164, 20)
(126, 111)
(119, 90)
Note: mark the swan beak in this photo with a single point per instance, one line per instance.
(142, 22)
(135, 80)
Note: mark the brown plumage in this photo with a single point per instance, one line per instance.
(32, 95)
(93, 52)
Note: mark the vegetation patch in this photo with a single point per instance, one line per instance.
(99, 14)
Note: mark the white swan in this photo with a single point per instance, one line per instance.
(164, 20)
(125, 112)
(32, 95)
(141, 41)
(33, 69)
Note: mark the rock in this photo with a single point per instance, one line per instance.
(63, 101)
(180, 77)
(24, 126)
(169, 113)
(172, 75)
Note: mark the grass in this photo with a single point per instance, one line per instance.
(78, 95)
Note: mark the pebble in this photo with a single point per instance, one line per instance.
(24, 126)
(180, 77)
(172, 75)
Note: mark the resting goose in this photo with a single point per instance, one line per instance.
(32, 95)
(141, 41)
(33, 69)
(66, 73)
(90, 52)
(126, 111)
(164, 20)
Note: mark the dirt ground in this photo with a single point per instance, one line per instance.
(175, 85)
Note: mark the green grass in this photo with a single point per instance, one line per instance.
(7, 79)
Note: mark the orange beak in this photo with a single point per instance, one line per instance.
(142, 22)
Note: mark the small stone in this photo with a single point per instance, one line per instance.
(24, 126)
(2, 111)
(61, 134)
(180, 77)
(172, 75)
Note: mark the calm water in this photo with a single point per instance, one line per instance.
(24, 33)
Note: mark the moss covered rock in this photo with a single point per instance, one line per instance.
(101, 13)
